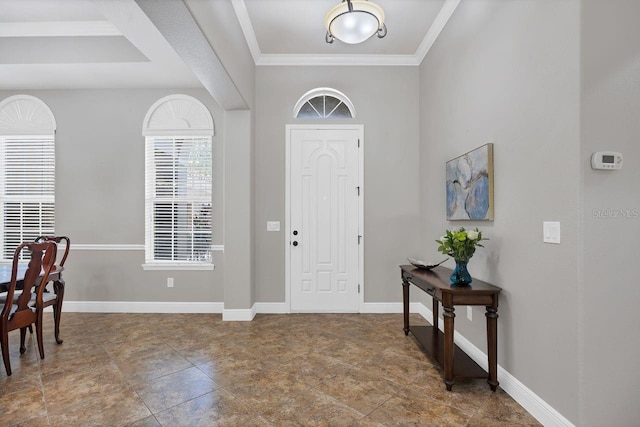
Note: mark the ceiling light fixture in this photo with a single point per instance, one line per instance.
(354, 21)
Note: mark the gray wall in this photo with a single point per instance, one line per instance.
(547, 81)
(100, 195)
(610, 297)
(508, 73)
(386, 102)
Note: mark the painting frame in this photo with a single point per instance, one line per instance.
(469, 185)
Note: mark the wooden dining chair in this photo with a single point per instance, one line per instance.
(55, 299)
(20, 314)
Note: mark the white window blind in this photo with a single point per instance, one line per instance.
(27, 186)
(178, 199)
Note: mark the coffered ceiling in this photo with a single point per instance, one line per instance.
(51, 44)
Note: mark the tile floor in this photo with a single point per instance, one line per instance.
(279, 370)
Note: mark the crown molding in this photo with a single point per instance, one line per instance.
(247, 28)
(416, 59)
(436, 28)
(58, 29)
(352, 60)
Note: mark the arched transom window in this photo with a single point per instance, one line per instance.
(324, 103)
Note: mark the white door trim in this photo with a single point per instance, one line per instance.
(287, 234)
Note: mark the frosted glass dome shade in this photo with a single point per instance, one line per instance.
(356, 25)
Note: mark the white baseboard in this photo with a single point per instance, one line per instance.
(541, 410)
(141, 307)
(271, 307)
(214, 307)
(239, 314)
(530, 401)
(392, 307)
(382, 307)
(421, 309)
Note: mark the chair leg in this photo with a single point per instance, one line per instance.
(58, 287)
(39, 335)
(57, 311)
(23, 334)
(30, 329)
(4, 343)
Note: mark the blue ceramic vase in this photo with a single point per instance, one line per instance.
(460, 275)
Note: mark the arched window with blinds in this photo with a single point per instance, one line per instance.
(178, 132)
(27, 177)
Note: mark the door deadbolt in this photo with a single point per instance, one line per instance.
(295, 243)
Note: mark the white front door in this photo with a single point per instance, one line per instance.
(324, 218)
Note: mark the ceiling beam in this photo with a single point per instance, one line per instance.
(173, 19)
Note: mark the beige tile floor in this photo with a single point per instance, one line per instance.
(279, 370)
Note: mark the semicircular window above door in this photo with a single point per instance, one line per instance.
(324, 103)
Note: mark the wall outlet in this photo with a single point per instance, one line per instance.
(169, 282)
(469, 313)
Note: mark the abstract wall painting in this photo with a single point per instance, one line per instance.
(470, 185)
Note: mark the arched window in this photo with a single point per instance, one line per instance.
(27, 171)
(178, 132)
(323, 103)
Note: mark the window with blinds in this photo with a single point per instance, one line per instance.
(27, 186)
(178, 199)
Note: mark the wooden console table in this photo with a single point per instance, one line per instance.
(455, 362)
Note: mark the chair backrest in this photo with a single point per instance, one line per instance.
(58, 239)
(43, 257)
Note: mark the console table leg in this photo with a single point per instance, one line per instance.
(492, 346)
(449, 315)
(405, 301)
(434, 306)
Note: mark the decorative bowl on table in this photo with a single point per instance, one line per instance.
(424, 264)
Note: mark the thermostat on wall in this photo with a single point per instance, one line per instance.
(608, 160)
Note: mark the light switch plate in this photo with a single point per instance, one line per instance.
(551, 232)
(273, 225)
